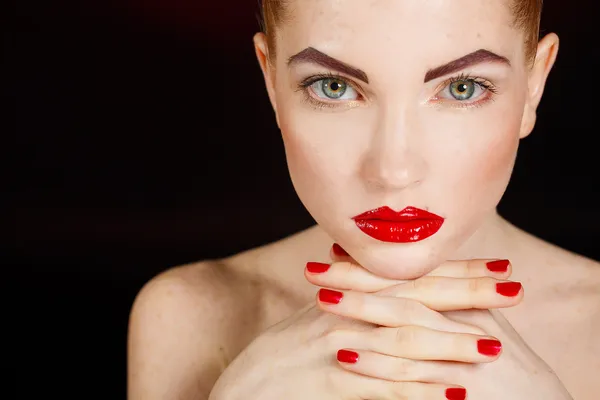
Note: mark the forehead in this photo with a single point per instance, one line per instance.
(392, 32)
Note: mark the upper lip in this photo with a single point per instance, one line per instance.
(387, 214)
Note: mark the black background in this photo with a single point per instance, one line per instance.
(143, 131)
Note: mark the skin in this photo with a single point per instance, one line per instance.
(398, 146)
(399, 143)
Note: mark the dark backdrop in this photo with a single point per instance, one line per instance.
(142, 129)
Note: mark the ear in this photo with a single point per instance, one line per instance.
(544, 60)
(262, 54)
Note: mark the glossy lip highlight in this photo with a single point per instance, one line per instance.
(409, 225)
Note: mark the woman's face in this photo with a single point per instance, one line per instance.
(401, 104)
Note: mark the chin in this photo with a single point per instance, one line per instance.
(401, 261)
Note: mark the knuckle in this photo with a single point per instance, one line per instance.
(413, 285)
(334, 338)
(436, 282)
(406, 335)
(423, 282)
(411, 309)
(475, 285)
(361, 303)
(472, 267)
(403, 311)
(346, 267)
(404, 370)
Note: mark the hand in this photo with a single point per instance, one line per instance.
(296, 358)
(406, 352)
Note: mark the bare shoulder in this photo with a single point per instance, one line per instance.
(560, 285)
(574, 315)
(574, 280)
(580, 276)
(189, 323)
(566, 274)
(185, 326)
(582, 288)
(560, 315)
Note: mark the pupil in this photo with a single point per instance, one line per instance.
(462, 87)
(334, 89)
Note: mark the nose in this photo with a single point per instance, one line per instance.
(395, 158)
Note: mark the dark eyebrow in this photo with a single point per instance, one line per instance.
(473, 58)
(314, 56)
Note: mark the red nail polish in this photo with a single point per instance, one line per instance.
(456, 394)
(489, 347)
(498, 265)
(317, 267)
(508, 289)
(330, 296)
(338, 250)
(347, 356)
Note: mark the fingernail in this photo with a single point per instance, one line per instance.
(456, 393)
(317, 267)
(508, 289)
(338, 250)
(498, 265)
(489, 347)
(347, 356)
(330, 296)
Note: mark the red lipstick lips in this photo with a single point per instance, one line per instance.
(409, 225)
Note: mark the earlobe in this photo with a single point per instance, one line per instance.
(262, 55)
(528, 121)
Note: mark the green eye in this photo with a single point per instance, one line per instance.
(462, 90)
(333, 88)
(327, 89)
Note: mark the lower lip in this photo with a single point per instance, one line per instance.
(400, 232)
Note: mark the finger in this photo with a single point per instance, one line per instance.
(390, 368)
(501, 269)
(372, 388)
(387, 311)
(419, 343)
(346, 275)
(337, 253)
(449, 294)
(498, 268)
(353, 385)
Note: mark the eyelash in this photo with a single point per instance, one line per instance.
(304, 87)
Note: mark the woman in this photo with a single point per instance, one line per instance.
(401, 122)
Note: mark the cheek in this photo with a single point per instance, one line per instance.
(472, 166)
(304, 156)
(482, 169)
(313, 162)
(493, 165)
(306, 163)
(323, 149)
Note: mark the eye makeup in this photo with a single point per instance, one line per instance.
(485, 88)
(311, 98)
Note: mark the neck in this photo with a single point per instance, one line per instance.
(491, 240)
(499, 239)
